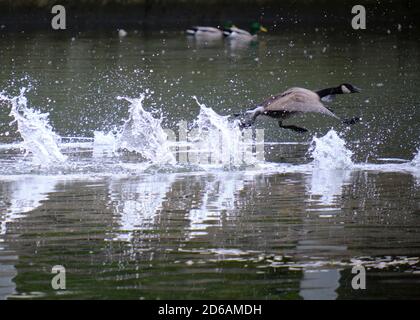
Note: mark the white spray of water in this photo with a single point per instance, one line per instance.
(104, 144)
(218, 140)
(329, 168)
(330, 152)
(416, 164)
(35, 130)
(416, 160)
(143, 134)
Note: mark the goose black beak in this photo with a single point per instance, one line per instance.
(357, 90)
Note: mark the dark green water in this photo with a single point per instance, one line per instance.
(278, 233)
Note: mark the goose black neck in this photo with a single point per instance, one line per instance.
(328, 91)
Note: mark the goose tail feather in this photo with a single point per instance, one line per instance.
(248, 118)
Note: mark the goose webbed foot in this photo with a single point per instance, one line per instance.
(294, 128)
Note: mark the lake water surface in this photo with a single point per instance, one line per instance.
(106, 186)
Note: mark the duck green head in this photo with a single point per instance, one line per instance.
(228, 24)
(256, 27)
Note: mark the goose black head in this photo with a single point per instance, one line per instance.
(348, 88)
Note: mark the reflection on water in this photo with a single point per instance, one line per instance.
(288, 225)
(22, 196)
(317, 285)
(325, 186)
(218, 196)
(137, 203)
(18, 197)
(147, 235)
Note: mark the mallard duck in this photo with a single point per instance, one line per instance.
(210, 33)
(234, 33)
(299, 100)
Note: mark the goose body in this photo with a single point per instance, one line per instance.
(297, 101)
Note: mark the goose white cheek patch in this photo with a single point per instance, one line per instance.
(345, 89)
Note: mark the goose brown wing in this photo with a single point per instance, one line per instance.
(296, 100)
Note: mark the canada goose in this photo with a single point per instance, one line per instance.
(208, 33)
(234, 33)
(299, 100)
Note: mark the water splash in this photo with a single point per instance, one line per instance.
(214, 142)
(416, 164)
(104, 144)
(330, 152)
(220, 141)
(416, 160)
(143, 134)
(38, 137)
